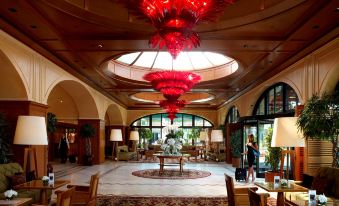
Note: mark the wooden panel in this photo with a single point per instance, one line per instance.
(95, 141)
(319, 154)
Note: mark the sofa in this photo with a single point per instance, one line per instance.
(13, 172)
(326, 181)
(124, 154)
(193, 151)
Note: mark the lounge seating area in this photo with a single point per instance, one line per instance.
(123, 153)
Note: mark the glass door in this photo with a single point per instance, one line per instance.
(263, 127)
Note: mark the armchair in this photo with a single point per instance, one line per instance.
(257, 199)
(124, 154)
(236, 196)
(84, 195)
(64, 198)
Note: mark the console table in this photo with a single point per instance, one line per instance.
(180, 162)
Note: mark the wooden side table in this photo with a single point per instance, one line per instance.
(15, 201)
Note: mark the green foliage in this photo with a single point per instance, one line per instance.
(145, 134)
(194, 134)
(4, 140)
(236, 143)
(51, 122)
(273, 155)
(320, 121)
(87, 131)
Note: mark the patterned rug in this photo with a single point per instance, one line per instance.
(111, 200)
(171, 174)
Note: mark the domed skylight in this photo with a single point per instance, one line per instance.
(186, 61)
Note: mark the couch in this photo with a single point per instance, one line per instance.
(124, 154)
(9, 172)
(326, 181)
(193, 151)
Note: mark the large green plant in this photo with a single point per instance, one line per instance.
(194, 134)
(236, 143)
(273, 155)
(87, 131)
(5, 148)
(146, 135)
(51, 122)
(320, 121)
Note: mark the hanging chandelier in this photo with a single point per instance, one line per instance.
(174, 20)
(172, 107)
(172, 84)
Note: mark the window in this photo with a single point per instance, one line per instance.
(280, 98)
(157, 122)
(232, 115)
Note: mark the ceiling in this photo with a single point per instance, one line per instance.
(83, 36)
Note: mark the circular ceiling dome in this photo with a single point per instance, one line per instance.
(209, 65)
(197, 97)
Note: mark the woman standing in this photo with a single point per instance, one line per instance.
(63, 147)
(251, 145)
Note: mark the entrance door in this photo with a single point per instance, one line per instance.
(263, 126)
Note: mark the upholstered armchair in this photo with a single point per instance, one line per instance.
(124, 154)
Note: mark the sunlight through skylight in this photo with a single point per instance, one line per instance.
(186, 61)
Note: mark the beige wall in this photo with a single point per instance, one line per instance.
(315, 73)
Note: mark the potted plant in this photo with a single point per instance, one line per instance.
(87, 131)
(236, 148)
(146, 135)
(4, 140)
(193, 135)
(320, 121)
(272, 157)
(51, 122)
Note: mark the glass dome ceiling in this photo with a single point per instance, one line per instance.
(186, 61)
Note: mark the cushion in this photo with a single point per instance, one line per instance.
(307, 181)
(16, 179)
(320, 184)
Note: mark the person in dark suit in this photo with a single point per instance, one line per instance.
(63, 148)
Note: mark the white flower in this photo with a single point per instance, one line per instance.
(322, 199)
(178, 146)
(164, 146)
(171, 141)
(45, 178)
(10, 193)
(283, 182)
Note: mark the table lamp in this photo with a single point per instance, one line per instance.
(134, 136)
(116, 136)
(286, 134)
(203, 138)
(217, 137)
(30, 130)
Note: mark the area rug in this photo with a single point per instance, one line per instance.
(171, 174)
(112, 200)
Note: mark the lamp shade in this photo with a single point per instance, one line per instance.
(116, 135)
(286, 134)
(134, 135)
(217, 136)
(203, 136)
(31, 130)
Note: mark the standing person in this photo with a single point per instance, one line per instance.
(63, 147)
(251, 145)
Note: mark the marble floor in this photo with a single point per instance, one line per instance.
(116, 178)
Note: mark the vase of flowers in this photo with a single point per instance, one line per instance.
(171, 147)
(10, 194)
(283, 183)
(321, 199)
(45, 180)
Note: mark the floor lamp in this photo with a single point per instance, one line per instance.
(134, 137)
(217, 137)
(30, 130)
(116, 136)
(286, 134)
(203, 138)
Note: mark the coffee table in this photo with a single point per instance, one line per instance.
(180, 162)
(15, 201)
(271, 187)
(38, 184)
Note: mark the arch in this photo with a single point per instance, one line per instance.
(12, 85)
(114, 115)
(232, 115)
(82, 98)
(331, 80)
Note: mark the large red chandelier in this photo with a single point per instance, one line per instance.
(175, 20)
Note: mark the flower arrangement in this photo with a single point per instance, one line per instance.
(322, 199)
(9, 194)
(283, 183)
(172, 147)
(45, 180)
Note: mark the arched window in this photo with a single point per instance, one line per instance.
(232, 115)
(279, 98)
(157, 122)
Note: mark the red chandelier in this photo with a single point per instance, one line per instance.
(175, 20)
(172, 84)
(172, 107)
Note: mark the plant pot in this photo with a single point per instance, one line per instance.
(236, 162)
(269, 176)
(88, 160)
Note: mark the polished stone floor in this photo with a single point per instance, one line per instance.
(116, 178)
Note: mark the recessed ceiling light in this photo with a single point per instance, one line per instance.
(33, 26)
(316, 27)
(337, 9)
(13, 10)
(100, 45)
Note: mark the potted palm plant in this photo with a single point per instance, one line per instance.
(87, 131)
(236, 148)
(146, 135)
(320, 121)
(272, 157)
